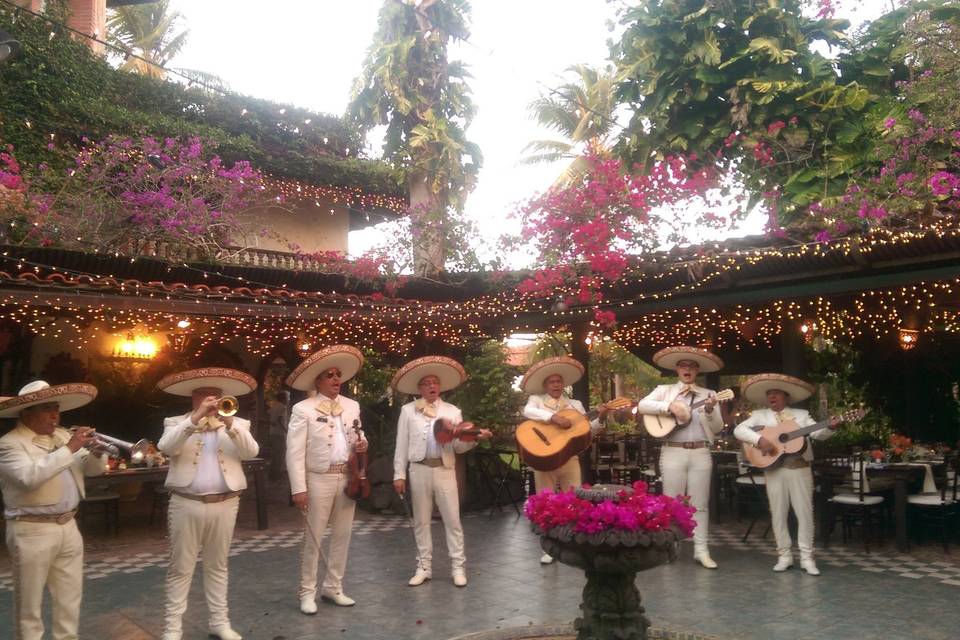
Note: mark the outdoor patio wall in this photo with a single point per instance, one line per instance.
(305, 225)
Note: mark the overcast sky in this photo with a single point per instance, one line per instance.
(308, 52)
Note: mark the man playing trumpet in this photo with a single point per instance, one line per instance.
(205, 480)
(41, 474)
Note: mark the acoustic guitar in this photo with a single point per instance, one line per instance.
(545, 446)
(660, 426)
(788, 438)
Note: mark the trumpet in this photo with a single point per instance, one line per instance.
(227, 406)
(112, 446)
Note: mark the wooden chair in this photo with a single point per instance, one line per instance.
(856, 507)
(161, 499)
(605, 455)
(938, 508)
(649, 463)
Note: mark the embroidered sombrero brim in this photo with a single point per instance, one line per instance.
(68, 396)
(450, 373)
(669, 357)
(230, 381)
(755, 387)
(567, 368)
(340, 356)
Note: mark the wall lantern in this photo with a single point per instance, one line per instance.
(908, 338)
(134, 347)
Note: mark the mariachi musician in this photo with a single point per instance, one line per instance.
(433, 477)
(322, 433)
(42, 467)
(790, 483)
(206, 447)
(545, 381)
(685, 460)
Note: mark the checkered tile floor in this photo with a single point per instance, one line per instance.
(902, 565)
(135, 563)
(880, 561)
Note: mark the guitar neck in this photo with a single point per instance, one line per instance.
(804, 431)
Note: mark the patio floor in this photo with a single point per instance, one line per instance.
(882, 594)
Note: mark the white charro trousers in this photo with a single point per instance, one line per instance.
(51, 555)
(196, 527)
(791, 488)
(562, 478)
(429, 484)
(687, 472)
(326, 504)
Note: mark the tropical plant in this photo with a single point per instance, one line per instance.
(744, 87)
(125, 194)
(150, 32)
(488, 398)
(409, 85)
(65, 91)
(581, 112)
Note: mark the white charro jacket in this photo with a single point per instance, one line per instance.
(183, 444)
(30, 475)
(658, 402)
(536, 409)
(747, 431)
(310, 441)
(412, 442)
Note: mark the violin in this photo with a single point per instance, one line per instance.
(445, 431)
(358, 486)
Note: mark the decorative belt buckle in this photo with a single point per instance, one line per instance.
(64, 518)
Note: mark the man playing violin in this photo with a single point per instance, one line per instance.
(790, 483)
(205, 480)
(545, 382)
(42, 467)
(432, 464)
(320, 438)
(685, 460)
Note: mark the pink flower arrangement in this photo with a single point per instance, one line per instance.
(639, 511)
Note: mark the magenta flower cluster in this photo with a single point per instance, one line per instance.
(639, 511)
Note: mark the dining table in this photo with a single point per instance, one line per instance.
(896, 479)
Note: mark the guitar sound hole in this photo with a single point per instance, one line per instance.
(783, 438)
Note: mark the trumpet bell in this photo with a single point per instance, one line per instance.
(227, 406)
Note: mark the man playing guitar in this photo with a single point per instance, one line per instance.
(545, 382)
(790, 483)
(685, 457)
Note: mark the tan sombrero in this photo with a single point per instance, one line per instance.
(755, 387)
(566, 367)
(68, 396)
(230, 381)
(669, 357)
(338, 356)
(450, 372)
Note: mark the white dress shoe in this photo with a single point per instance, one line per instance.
(308, 606)
(784, 562)
(546, 559)
(225, 633)
(419, 578)
(459, 579)
(810, 567)
(338, 598)
(704, 559)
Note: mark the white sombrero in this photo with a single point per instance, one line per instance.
(450, 373)
(755, 387)
(230, 381)
(339, 356)
(669, 357)
(566, 367)
(68, 396)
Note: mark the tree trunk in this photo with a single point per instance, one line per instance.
(426, 220)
